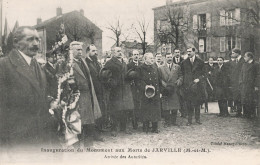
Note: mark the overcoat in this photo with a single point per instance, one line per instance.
(88, 104)
(150, 107)
(169, 77)
(120, 97)
(234, 78)
(222, 82)
(193, 92)
(248, 80)
(24, 115)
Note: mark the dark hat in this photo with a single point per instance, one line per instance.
(132, 74)
(105, 74)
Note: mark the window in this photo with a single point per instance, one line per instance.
(202, 45)
(229, 42)
(222, 44)
(202, 21)
(229, 17)
(158, 25)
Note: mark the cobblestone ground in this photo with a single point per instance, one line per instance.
(228, 140)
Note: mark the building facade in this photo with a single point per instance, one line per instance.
(213, 27)
(77, 28)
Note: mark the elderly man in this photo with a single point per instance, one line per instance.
(171, 77)
(94, 68)
(249, 83)
(88, 104)
(120, 99)
(193, 77)
(24, 116)
(148, 83)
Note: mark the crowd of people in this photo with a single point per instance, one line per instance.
(73, 98)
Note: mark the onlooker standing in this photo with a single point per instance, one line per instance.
(222, 86)
(193, 75)
(120, 99)
(236, 53)
(171, 78)
(249, 84)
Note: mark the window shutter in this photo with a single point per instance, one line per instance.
(222, 15)
(222, 44)
(209, 44)
(195, 21)
(208, 19)
(238, 42)
(201, 45)
(237, 16)
(158, 25)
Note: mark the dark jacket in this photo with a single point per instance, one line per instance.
(180, 60)
(193, 92)
(52, 81)
(150, 107)
(120, 92)
(24, 116)
(234, 78)
(248, 80)
(222, 82)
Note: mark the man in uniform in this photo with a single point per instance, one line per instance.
(193, 75)
(88, 104)
(148, 83)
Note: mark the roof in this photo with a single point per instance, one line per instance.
(182, 3)
(65, 15)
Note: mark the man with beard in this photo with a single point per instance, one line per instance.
(136, 94)
(24, 116)
(171, 77)
(88, 104)
(94, 68)
(193, 77)
(120, 98)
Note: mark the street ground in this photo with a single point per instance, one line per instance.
(228, 140)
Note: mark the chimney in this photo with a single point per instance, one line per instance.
(59, 11)
(81, 11)
(39, 20)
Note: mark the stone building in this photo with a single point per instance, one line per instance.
(77, 28)
(213, 27)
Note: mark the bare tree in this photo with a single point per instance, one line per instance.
(141, 31)
(116, 29)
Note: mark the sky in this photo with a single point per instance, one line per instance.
(100, 12)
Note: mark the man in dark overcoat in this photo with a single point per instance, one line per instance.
(234, 79)
(135, 92)
(88, 104)
(94, 68)
(24, 116)
(120, 99)
(221, 85)
(249, 84)
(193, 77)
(148, 83)
(171, 78)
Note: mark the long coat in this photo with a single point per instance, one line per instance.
(248, 80)
(150, 107)
(193, 92)
(222, 82)
(24, 115)
(120, 97)
(88, 104)
(169, 78)
(94, 68)
(234, 79)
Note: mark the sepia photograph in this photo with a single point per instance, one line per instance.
(112, 82)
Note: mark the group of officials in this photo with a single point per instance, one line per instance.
(143, 91)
